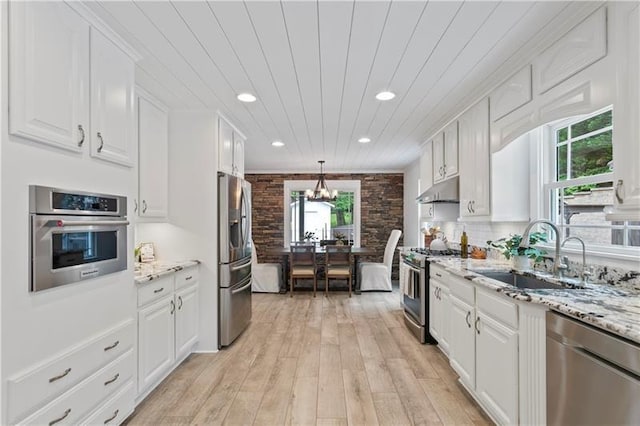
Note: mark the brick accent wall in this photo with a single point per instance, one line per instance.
(382, 210)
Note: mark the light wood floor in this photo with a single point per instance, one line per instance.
(323, 361)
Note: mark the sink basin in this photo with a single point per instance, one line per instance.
(522, 281)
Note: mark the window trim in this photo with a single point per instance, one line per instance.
(340, 185)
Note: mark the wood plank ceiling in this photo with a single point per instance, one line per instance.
(316, 66)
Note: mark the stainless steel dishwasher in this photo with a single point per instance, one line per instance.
(593, 377)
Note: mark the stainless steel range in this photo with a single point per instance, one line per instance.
(415, 298)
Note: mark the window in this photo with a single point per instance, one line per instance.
(324, 220)
(579, 183)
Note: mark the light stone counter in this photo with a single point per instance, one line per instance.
(145, 272)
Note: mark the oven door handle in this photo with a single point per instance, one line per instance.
(411, 268)
(62, 223)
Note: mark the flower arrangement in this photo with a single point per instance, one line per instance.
(511, 246)
(339, 236)
(308, 236)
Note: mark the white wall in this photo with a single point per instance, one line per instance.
(411, 232)
(192, 228)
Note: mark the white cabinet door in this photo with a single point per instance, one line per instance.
(186, 301)
(155, 342)
(445, 319)
(475, 177)
(497, 369)
(426, 167)
(435, 311)
(238, 154)
(153, 143)
(462, 342)
(451, 149)
(225, 147)
(112, 102)
(438, 158)
(49, 74)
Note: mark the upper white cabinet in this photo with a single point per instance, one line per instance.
(153, 122)
(49, 74)
(445, 153)
(626, 113)
(511, 94)
(230, 149)
(475, 161)
(70, 86)
(112, 98)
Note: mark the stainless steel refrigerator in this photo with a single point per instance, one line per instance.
(234, 257)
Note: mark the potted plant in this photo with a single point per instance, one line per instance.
(510, 247)
(339, 238)
(309, 236)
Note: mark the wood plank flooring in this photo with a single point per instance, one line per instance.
(316, 361)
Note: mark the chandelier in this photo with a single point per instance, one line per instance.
(321, 192)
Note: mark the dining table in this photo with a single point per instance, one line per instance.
(283, 252)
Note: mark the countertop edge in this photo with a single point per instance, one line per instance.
(164, 269)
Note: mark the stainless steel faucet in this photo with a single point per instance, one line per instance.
(557, 265)
(584, 274)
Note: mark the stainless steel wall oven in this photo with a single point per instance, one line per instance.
(75, 236)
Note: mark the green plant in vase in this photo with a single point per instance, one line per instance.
(510, 246)
(309, 236)
(339, 238)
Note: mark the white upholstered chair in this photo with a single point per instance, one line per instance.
(265, 277)
(377, 276)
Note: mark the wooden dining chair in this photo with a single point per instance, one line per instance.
(302, 264)
(338, 265)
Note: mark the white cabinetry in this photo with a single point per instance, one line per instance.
(426, 167)
(167, 326)
(230, 148)
(49, 74)
(445, 153)
(626, 116)
(153, 146)
(475, 182)
(439, 306)
(112, 99)
(462, 342)
(69, 84)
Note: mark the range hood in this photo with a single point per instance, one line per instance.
(443, 192)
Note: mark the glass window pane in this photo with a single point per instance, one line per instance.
(318, 220)
(561, 173)
(561, 134)
(634, 237)
(591, 156)
(591, 124)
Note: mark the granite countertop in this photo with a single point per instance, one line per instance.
(615, 309)
(145, 272)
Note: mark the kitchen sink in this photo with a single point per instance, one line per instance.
(523, 281)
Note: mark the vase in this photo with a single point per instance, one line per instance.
(521, 263)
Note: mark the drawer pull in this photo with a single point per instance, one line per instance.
(173, 307)
(188, 278)
(115, 414)
(438, 275)
(108, 382)
(158, 290)
(53, 379)
(61, 418)
(180, 300)
(476, 325)
(467, 319)
(108, 348)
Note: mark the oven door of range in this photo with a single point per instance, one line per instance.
(415, 306)
(69, 249)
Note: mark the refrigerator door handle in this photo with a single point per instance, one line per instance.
(241, 289)
(238, 268)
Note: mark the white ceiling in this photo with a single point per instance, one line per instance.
(316, 66)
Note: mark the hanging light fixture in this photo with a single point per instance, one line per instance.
(321, 192)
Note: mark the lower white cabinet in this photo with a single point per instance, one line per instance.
(439, 307)
(167, 326)
(462, 343)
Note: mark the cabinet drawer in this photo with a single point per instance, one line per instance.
(81, 399)
(154, 290)
(437, 272)
(498, 307)
(186, 277)
(462, 289)
(116, 410)
(44, 383)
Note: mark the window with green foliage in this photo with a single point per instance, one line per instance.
(581, 184)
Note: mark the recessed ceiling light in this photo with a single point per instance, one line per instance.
(385, 96)
(277, 143)
(246, 97)
(364, 140)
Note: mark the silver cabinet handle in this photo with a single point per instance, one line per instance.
(108, 348)
(135, 204)
(180, 302)
(467, 319)
(158, 290)
(438, 275)
(113, 379)
(101, 142)
(144, 206)
(188, 278)
(444, 170)
(115, 414)
(61, 418)
(618, 187)
(173, 307)
(430, 211)
(476, 325)
(81, 130)
(55, 378)
(473, 203)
